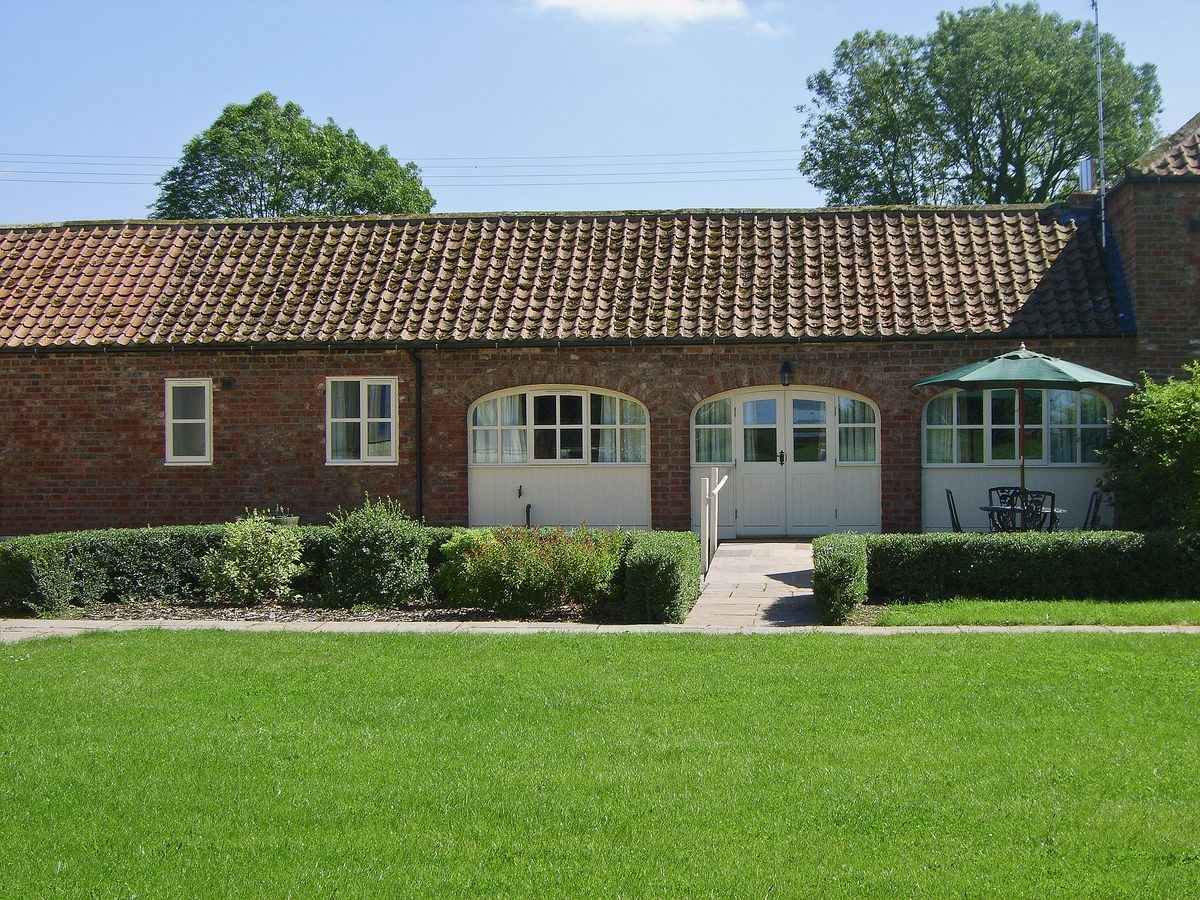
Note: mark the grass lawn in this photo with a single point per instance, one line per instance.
(1042, 612)
(208, 764)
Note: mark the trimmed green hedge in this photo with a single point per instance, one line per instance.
(1074, 565)
(634, 577)
(839, 576)
(1063, 565)
(662, 575)
(46, 573)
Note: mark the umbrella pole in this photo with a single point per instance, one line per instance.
(1021, 434)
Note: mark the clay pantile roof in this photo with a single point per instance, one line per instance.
(497, 279)
(1178, 154)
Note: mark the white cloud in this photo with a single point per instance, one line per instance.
(662, 12)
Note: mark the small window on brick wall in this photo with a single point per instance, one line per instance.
(360, 421)
(189, 421)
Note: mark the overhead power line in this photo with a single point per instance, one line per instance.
(464, 172)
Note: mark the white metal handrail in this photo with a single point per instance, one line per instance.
(710, 517)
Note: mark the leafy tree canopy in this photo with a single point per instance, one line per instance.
(1154, 455)
(997, 105)
(263, 160)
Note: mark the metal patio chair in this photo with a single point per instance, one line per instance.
(954, 522)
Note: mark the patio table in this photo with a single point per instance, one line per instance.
(997, 513)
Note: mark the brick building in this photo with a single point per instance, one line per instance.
(568, 368)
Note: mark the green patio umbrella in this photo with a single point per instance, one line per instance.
(1019, 370)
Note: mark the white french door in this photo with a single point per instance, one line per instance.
(784, 458)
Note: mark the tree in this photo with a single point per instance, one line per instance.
(997, 105)
(1154, 456)
(263, 160)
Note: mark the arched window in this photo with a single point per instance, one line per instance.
(980, 427)
(813, 421)
(551, 426)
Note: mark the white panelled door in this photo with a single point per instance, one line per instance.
(786, 474)
(801, 460)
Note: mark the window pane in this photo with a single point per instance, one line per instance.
(808, 444)
(545, 410)
(604, 444)
(1034, 451)
(188, 440)
(1061, 407)
(379, 401)
(514, 444)
(633, 445)
(187, 402)
(758, 412)
(512, 410)
(854, 412)
(1004, 443)
(1063, 445)
(571, 442)
(1092, 439)
(939, 445)
(970, 409)
(344, 440)
(1004, 407)
(1092, 409)
(632, 413)
(1033, 407)
(484, 449)
(940, 410)
(856, 444)
(379, 439)
(760, 444)
(970, 445)
(570, 410)
(343, 400)
(808, 412)
(719, 412)
(545, 444)
(485, 413)
(604, 410)
(714, 445)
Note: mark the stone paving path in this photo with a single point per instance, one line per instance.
(757, 584)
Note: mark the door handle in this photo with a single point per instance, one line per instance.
(782, 457)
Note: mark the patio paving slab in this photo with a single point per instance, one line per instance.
(766, 584)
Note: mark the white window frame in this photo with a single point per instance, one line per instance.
(364, 420)
(172, 458)
(531, 393)
(986, 428)
(833, 424)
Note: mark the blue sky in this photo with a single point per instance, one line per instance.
(505, 104)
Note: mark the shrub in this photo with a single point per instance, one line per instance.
(1154, 456)
(257, 560)
(662, 575)
(839, 576)
(46, 573)
(1112, 565)
(378, 556)
(529, 572)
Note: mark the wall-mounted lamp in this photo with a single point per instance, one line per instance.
(225, 383)
(785, 373)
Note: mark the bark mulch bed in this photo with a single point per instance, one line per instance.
(301, 612)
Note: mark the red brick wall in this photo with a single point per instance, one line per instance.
(82, 438)
(81, 442)
(1157, 229)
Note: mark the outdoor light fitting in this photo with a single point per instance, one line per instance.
(785, 373)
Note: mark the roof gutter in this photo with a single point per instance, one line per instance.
(572, 343)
